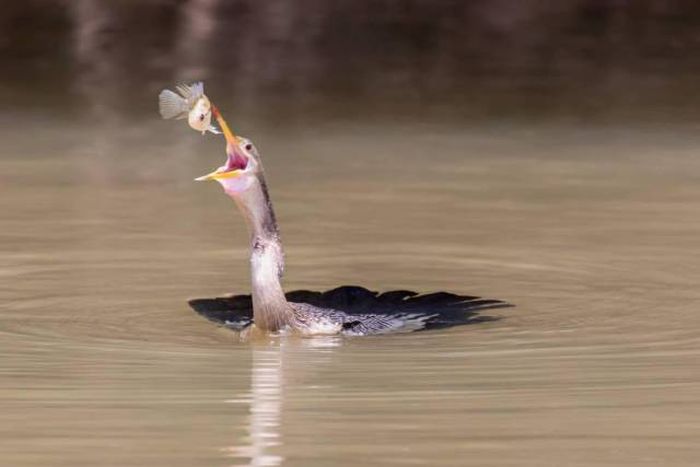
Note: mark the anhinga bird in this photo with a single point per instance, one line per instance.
(346, 310)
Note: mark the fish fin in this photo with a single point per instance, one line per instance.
(191, 92)
(196, 90)
(171, 105)
(213, 129)
(184, 91)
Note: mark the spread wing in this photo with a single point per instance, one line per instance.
(363, 311)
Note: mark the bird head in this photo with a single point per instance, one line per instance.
(242, 161)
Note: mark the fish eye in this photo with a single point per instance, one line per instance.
(201, 117)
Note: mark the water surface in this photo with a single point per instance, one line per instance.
(579, 208)
(104, 364)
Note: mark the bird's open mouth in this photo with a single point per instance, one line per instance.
(236, 162)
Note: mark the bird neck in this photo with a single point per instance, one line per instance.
(271, 311)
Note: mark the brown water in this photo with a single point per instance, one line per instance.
(593, 234)
(543, 155)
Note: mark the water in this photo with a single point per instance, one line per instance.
(585, 220)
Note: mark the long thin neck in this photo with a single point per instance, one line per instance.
(271, 311)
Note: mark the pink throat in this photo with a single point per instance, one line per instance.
(236, 161)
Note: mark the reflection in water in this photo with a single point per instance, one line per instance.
(585, 59)
(194, 42)
(93, 20)
(264, 429)
(265, 407)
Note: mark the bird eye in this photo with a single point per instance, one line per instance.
(248, 147)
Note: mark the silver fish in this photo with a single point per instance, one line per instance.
(189, 102)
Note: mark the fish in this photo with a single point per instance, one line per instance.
(189, 102)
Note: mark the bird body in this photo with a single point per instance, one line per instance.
(346, 310)
(356, 311)
(242, 178)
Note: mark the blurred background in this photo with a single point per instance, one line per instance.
(281, 62)
(539, 152)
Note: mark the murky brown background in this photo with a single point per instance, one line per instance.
(528, 151)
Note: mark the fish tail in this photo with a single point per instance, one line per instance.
(171, 105)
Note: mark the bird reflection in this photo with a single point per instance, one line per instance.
(264, 417)
(260, 446)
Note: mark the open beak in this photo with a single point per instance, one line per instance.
(235, 163)
(218, 174)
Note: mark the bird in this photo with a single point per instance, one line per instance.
(347, 310)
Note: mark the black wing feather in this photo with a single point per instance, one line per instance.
(443, 309)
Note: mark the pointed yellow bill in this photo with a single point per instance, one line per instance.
(228, 134)
(221, 173)
(218, 175)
